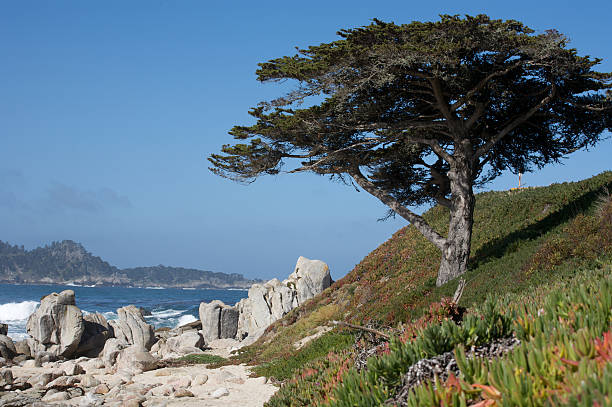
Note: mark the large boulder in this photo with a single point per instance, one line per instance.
(218, 320)
(57, 323)
(269, 302)
(132, 328)
(135, 359)
(96, 332)
(111, 350)
(186, 341)
(7, 347)
(310, 278)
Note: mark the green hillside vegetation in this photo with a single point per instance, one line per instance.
(532, 240)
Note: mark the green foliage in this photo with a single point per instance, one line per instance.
(565, 355)
(315, 380)
(285, 368)
(203, 358)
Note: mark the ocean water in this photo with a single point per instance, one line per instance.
(168, 306)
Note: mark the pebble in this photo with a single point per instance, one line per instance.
(183, 393)
(200, 379)
(59, 396)
(101, 389)
(220, 392)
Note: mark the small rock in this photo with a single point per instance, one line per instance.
(259, 380)
(91, 399)
(115, 381)
(3, 329)
(163, 372)
(63, 381)
(23, 348)
(183, 393)
(223, 376)
(20, 358)
(59, 396)
(200, 379)
(235, 380)
(101, 389)
(132, 403)
(31, 363)
(6, 377)
(89, 381)
(220, 392)
(165, 390)
(125, 375)
(182, 382)
(72, 369)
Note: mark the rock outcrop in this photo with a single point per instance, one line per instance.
(57, 324)
(132, 328)
(7, 348)
(96, 332)
(219, 321)
(309, 278)
(265, 303)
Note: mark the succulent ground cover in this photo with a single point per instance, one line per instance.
(527, 244)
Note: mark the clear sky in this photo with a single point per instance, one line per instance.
(109, 109)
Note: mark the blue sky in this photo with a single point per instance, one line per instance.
(109, 109)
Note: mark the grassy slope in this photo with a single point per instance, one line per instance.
(520, 240)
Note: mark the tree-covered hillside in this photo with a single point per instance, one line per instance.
(69, 262)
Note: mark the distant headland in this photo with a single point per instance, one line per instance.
(68, 262)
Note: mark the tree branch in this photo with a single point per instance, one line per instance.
(515, 123)
(481, 85)
(435, 146)
(451, 118)
(416, 220)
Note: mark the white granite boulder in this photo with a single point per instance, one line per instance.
(57, 323)
(186, 341)
(7, 347)
(135, 359)
(96, 332)
(271, 301)
(218, 320)
(132, 328)
(309, 278)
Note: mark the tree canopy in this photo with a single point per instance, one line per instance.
(422, 112)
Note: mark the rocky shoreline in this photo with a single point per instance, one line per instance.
(76, 359)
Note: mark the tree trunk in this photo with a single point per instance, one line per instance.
(456, 251)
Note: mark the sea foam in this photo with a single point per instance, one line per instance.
(185, 319)
(17, 311)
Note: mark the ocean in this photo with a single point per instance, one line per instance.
(169, 307)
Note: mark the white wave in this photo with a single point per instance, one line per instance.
(188, 288)
(185, 319)
(155, 288)
(17, 311)
(110, 315)
(18, 336)
(165, 313)
(73, 285)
